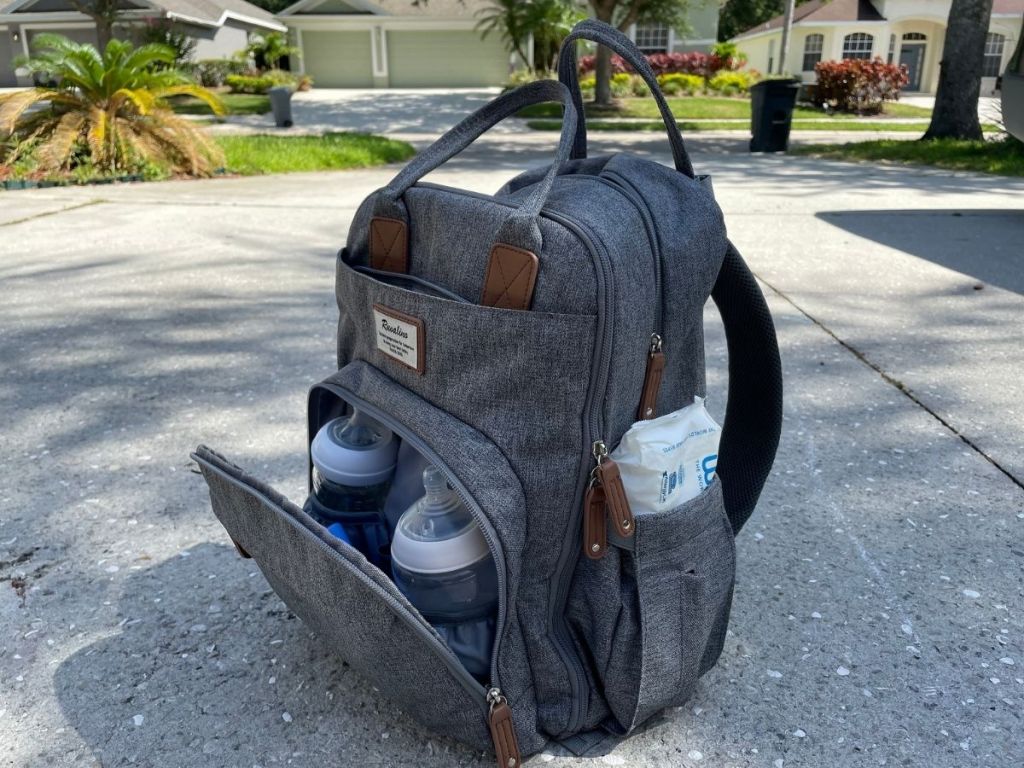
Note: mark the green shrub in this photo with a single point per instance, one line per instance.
(731, 83)
(622, 85)
(211, 72)
(677, 84)
(261, 83)
(521, 77)
(588, 83)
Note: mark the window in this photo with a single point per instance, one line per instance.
(993, 55)
(651, 37)
(812, 51)
(858, 46)
(771, 56)
(892, 49)
(914, 37)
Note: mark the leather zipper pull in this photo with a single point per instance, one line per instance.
(615, 497)
(503, 732)
(652, 381)
(595, 527)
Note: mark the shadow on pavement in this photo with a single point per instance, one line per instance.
(228, 679)
(985, 244)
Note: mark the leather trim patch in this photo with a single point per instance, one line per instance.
(389, 245)
(511, 275)
(401, 337)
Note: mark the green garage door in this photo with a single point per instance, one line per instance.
(449, 59)
(338, 59)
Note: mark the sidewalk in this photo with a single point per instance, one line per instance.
(878, 611)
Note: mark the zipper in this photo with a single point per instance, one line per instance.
(655, 367)
(648, 408)
(592, 426)
(605, 502)
(499, 714)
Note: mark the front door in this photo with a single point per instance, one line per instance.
(912, 57)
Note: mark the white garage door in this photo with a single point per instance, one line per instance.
(445, 59)
(338, 59)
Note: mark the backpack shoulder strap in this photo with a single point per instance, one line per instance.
(753, 414)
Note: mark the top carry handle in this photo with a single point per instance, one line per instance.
(520, 230)
(608, 36)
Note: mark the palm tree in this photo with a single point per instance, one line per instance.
(106, 110)
(548, 21)
(268, 50)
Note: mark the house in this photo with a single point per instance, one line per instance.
(396, 44)
(907, 32)
(220, 27)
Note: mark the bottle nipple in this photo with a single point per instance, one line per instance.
(358, 431)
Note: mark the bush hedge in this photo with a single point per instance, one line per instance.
(261, 83)
(691, 63)
(679, 83)
(211, 73)
(858, 85)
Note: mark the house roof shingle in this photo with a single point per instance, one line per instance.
(209, 12)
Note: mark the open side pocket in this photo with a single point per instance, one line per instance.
(658, 612)
(354, 608)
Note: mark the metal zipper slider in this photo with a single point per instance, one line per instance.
(606, 498)
(503, 732)
(652, 380)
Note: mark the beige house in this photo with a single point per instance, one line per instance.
(220, 27)
(393, 43)
(908, 32)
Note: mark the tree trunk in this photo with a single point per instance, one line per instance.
(956, 101)
(603, 75)
(603, 11)
(104, 31)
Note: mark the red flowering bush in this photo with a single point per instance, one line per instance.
(693, 63)
(858, 85)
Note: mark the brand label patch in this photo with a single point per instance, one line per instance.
(400, 337)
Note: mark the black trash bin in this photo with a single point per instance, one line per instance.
(771, 114)
(281, 105)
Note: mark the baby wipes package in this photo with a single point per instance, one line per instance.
(668, 460)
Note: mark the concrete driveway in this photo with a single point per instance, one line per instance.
(878, 610)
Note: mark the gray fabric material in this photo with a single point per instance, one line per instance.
(345, 600)
(511, 402)
(612, 38)
(521, 228)
(654, 619)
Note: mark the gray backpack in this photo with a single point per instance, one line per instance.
(511, 340)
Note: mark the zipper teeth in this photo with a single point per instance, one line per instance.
(563, 642)
(471, 505)
(627, 190)
(594, 425)
(413, 618)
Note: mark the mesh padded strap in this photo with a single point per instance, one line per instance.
(753, 415)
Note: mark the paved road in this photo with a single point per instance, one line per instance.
(878, 611)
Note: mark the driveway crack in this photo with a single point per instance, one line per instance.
(894, 382)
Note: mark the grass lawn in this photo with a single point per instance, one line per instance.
(254, 155)
(1005, 157)
(237, 104)
(718, 125)
(707, 107)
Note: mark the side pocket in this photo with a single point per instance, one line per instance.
(354, 608)
(670, 605)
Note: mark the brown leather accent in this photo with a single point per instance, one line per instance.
(389, 245)
(241, 551)
(595, 523)
(511, 275)
(652, 383)
(615, 496)
(503, 732)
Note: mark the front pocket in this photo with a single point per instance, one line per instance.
(656, 613)
(475, 468)
(354, 608)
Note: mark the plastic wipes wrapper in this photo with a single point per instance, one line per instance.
(670, 459)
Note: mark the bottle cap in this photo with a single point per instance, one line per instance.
(354, 450)
(437, 534)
